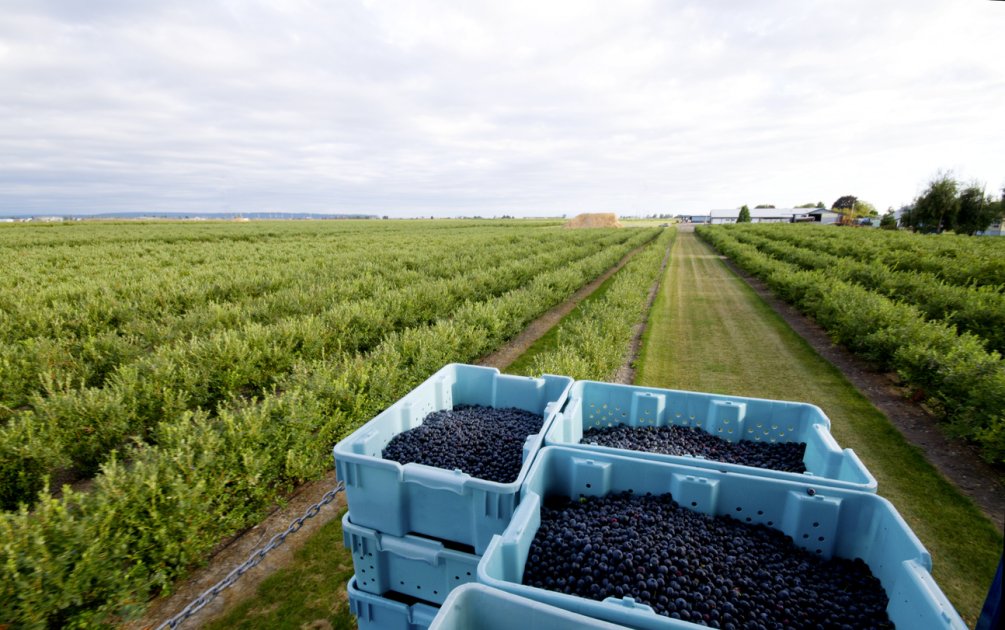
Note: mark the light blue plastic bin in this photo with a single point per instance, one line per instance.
(732, 418)
(451, 505)
(832, 522)
(413, 565)
(374, 612)
(478, 607)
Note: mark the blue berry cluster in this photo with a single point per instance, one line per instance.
(713, 571)
(678, 440)
(484, 442)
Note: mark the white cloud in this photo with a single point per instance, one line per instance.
(517, 107)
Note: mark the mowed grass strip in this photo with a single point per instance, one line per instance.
(308, 593)
(708, 331)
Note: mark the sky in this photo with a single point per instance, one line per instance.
(539, 108)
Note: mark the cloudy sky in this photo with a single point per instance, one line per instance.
(528, 108)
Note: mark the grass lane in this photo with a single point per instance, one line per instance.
(709, 331)
(308, 593)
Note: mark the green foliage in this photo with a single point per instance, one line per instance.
(864, 209)
(937, 208)
(889, 221)
(22, 472)
(224, 357)
(961, 377)
(744, 216)
(859, 210)
(243, 382)
(594, 341)
(846, 202)
(976, 309)
(977, 212)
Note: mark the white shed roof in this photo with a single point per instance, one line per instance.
(758, 213)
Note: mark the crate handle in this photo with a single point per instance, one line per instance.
(423, 550)
(436, 478)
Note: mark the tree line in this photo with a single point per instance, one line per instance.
(948, 204)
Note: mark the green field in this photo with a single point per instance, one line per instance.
(709, 332)
(184, 376)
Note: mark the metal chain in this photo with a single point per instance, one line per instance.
(253, 560)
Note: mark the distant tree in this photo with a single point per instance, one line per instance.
(889, 221)
(846, 202)
(998, 207)
(763, 206)
(821, 205)
(744, 216)
(937, 208)
(907, 216)
(807, 205)
(859, 210)
(865, 209)
(977, 212)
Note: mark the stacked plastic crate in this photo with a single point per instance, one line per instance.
(830, 510)
(420, 535)
(417, 532)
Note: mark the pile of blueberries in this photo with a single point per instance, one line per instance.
(678, 440)
(484, 442)
(714, 571)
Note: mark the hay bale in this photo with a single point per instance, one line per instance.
(594, 220)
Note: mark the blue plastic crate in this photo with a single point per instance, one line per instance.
(733, 418)
(451, 505)
(374, 612)
(412, 565)
(474, 606)
(832, 522)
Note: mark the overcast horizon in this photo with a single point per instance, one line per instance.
(519, 108)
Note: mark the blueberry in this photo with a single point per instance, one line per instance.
(715, 571)
(678, 440)
(481, 441)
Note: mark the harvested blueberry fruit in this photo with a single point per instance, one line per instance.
(484, 442)
(678, 440)
(713, 571)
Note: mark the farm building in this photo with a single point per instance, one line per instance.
(822, 215)
(757, 215)
(995, 229)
